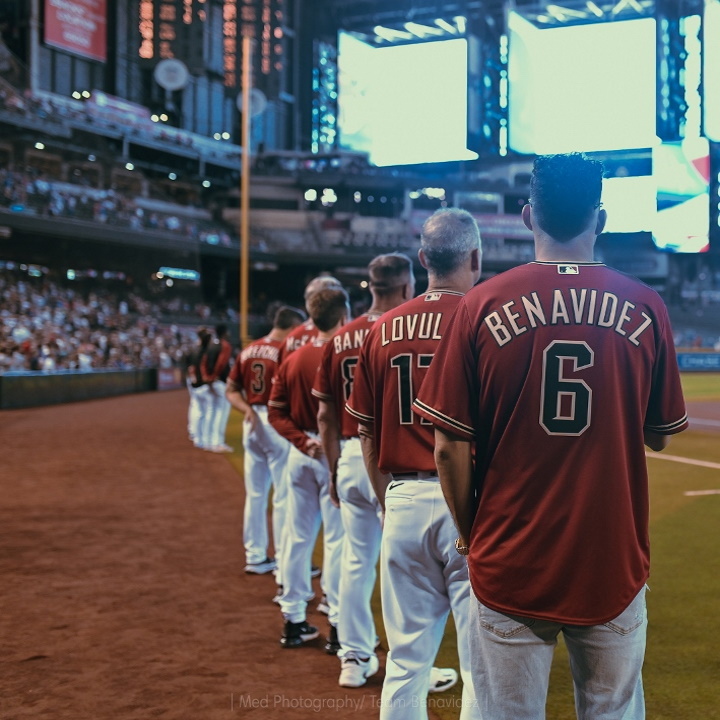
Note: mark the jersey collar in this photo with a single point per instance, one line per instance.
(564, 262)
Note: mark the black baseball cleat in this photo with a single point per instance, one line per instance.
(297, 634)
(332, 645)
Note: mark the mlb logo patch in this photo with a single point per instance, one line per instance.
(568, 270)
(433, 297)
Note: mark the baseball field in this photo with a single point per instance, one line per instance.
(123, 594)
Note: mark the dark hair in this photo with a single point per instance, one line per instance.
(565, 190)
(389, 272)
(287, 317)
(327, 307)
(448, 237)
(204, 335)
(221, 330)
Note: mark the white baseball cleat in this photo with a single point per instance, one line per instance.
(354, 671)
(442, 679)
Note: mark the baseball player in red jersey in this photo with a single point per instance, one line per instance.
(555, 374)
(305, 332)
(298, 337)
(422, 577)
(215, 368)
(293, 413)
(391, 283)
(198, 408)
(266, 452)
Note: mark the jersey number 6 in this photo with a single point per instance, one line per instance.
(565, 403)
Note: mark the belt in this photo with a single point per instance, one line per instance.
(422, 475)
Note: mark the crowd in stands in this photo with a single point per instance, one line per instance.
(33, 192)
(92, 115)
(47, 326)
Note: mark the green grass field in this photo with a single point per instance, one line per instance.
(682, 665)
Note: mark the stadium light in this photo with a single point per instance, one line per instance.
(206, 183)
(86, 93)
(446, 26)
(422, 31)
(226, 136)
(155, 118)
(76, 95)
(391, 35)
(164, 117)
(172, 176)
(39, 146)
(129, 166)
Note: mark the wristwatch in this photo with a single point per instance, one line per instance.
(462, 549)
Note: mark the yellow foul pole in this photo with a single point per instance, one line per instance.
(247, 45)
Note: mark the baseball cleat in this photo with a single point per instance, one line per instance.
(354, 671)
(442, 679)
(297, 634)
(322, 606)
(261, 568)
(333, 644)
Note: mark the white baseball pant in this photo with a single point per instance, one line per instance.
(422, 580)
(360, 512)
(308, 506)
(266, 454)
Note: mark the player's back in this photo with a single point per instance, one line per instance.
(394, 362)
(569, 360)
(295, 379)
(255, 367)
(337, 371)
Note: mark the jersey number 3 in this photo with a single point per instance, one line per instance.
(565, 403)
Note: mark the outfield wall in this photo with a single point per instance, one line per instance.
(698, 361)
(33, 389)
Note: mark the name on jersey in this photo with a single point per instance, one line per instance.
(292, 344)
(350, 340)
(266, 352)
(420, 326)
(569, 307)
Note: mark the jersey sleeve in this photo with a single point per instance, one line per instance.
(322, 387)
(279, 412)
(447, 392)
(361, 403)
(236, 375)
(666, 414)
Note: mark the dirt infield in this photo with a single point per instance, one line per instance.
(123, 594)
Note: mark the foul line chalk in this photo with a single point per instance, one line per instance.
(704, 421)
(687, 461)
(702, 492)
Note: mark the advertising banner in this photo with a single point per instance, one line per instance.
(78, 27)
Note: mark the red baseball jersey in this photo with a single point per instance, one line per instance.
(298, 337)
(215, 363)
(335, 375)
(254, 369)
(393, 362)
(554, 369)
(292, 408)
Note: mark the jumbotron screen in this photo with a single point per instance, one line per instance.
(403, 104)
(582, 87)
(711, 70)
